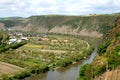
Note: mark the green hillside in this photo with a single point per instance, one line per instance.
(82, 25)
(108, 57)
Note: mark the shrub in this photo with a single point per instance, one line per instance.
(102, 48)
(85, 72)
(22, 75)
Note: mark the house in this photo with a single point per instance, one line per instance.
(12, 41)
(54, 40)
(65, 40)
(43, 39)
(24, 38)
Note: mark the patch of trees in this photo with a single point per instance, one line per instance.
(3, 37)
(114, 58)
(102, 48)
(4, 47)
(88, 71)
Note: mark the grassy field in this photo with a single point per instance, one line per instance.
(51, 51)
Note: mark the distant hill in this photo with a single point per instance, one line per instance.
(11, 18)
(82, 25)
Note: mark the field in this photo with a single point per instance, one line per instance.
(47, 52)
(6, 68)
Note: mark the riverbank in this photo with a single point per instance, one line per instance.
(70, 72)
(39, 69)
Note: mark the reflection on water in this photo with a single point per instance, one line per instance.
(68, 73)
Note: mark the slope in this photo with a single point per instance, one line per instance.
(108, 57)
(80, 25)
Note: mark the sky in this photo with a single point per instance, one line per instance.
(26, 8)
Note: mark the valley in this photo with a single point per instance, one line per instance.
(47, 43)
(41, 54)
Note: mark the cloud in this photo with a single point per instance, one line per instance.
(27, 8)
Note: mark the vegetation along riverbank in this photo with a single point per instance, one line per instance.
(44, 53)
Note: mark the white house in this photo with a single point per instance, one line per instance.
(24, 38)
(12, 41)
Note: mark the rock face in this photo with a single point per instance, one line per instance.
(80, 25)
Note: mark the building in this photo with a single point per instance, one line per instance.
(12, 41)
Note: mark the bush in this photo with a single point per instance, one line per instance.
(5, 77)
(13, 46)
(16, 45)
(113, 59)
(85, 72)
(117, 49)
(22, 75)
(88, 71)
(39, 68)
(102, 48)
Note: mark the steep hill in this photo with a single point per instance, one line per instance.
(108, 57)
(81, 25)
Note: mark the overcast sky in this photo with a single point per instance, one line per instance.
(26, 8)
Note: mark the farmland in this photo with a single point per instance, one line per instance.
(44, 53)
(6, 68)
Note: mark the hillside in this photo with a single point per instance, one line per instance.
(108, 57)
(81, 25)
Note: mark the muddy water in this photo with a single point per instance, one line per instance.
(68, 73)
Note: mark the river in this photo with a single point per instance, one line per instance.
(70, 72)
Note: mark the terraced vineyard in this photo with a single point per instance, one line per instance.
(43, 53)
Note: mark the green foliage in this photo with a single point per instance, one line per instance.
(80, 78)
(4, 47)
(21, 75)
(36, 69)
(3, 36)
(63, 63)
(16, 45)
(117, 35)
(102, 48)
(88, 71)
(114, 58)
(5, 77)
(85, 72)
(10, 23)
(98, 70)
(117, 48)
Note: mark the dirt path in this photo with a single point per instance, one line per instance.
(6, 68)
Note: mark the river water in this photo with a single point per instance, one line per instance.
(70, 72)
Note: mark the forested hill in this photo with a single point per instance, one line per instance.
(95, 25)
